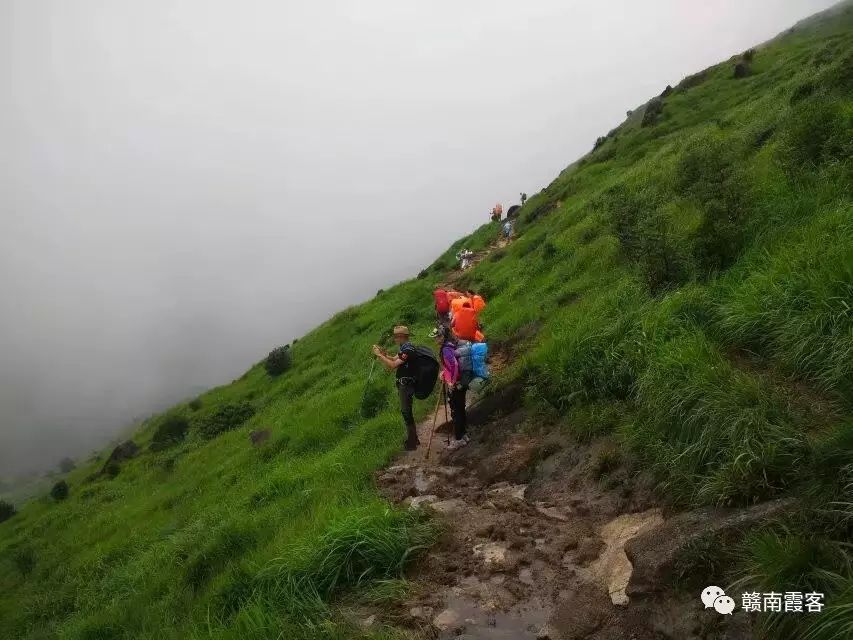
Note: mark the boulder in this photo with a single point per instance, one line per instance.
(654, 554)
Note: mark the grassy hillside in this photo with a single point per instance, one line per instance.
(687, 286)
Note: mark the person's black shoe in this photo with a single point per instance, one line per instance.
(411, 446)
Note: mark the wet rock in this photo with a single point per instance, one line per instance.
(493, 554)
(448, 471)
(421, 613)
(552, 513)
(423, 483)
(421, 501)
(400, 468)
(447, 619)
(525, 576)
(505, 489)
(448, 507)
(655, 554)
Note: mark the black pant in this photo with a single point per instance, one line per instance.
(457, 411)
(406, 392)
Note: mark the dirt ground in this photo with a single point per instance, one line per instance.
(534, 545)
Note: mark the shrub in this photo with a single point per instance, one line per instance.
(409, 315)
(653, 111)
(112, 469)
(423, 273)
(815, 133)
(278, 361)
(66, 465)
(599, 142)
(59, 491)
(25, 560)
(171, 430)
(375, 400)
(7, 510)
(666, 91)
(741, 70)
(748, 55)
(693, 80)
(195, 404)
(225, 418)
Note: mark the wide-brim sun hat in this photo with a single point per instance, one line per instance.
(401, 330)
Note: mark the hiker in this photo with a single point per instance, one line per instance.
(402, 362)
(456, 304)
(464, 258)
(451, 376)
(507, 230)
(442, 306)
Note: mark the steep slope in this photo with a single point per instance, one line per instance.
(683, 291)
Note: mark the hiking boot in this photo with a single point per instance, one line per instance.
(458, 444)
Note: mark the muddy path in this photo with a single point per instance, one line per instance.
(535, 535)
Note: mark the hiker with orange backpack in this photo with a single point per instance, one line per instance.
(477, 301)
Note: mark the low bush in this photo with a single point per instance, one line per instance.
(816, 132)
(741, 70)
(172, 429)
(278, 361)
(59, 492)
(195, 404)
(225, 418)
(7, 510)
(375, 400)
(25, 560)
(67, 465)
(654, 109)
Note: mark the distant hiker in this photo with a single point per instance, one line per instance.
(494, 215)
(452, 377)
(507, 230)
(402, 362)
(465, 324)
(442, 306)
(464, 258)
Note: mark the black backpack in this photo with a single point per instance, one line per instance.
(425, 372)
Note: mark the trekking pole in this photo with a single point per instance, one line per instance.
(367, 384)
(446, 418)
(432, 431)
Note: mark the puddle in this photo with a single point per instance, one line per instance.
(465, 616)
(612, 569)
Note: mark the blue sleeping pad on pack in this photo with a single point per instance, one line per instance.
(479, 354)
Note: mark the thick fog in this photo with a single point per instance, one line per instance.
(185, 185)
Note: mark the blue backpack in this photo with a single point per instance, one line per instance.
(479, 353)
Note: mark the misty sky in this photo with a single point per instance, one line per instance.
(186, 184)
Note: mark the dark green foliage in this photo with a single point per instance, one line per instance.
(225, 418)
(172, 429)
(67, 465)
(423, 274)
(803, 91)
(748, 55)
(708, 171)
(654, 109)
(112, 469)
(195, 404)
(692, 81)
(278, 361)
(25, 560)
(741, 70)
(409, 315)
(7, 510)
(599, 142)
(665, 92)
(375, 400)
(497, 255)
(646, 237)
(816, 132)
(59, 491)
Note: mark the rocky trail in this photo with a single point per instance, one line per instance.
(548, 539)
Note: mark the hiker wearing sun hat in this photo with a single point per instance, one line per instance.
(402, 364)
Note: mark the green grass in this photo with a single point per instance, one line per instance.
(686, 289)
